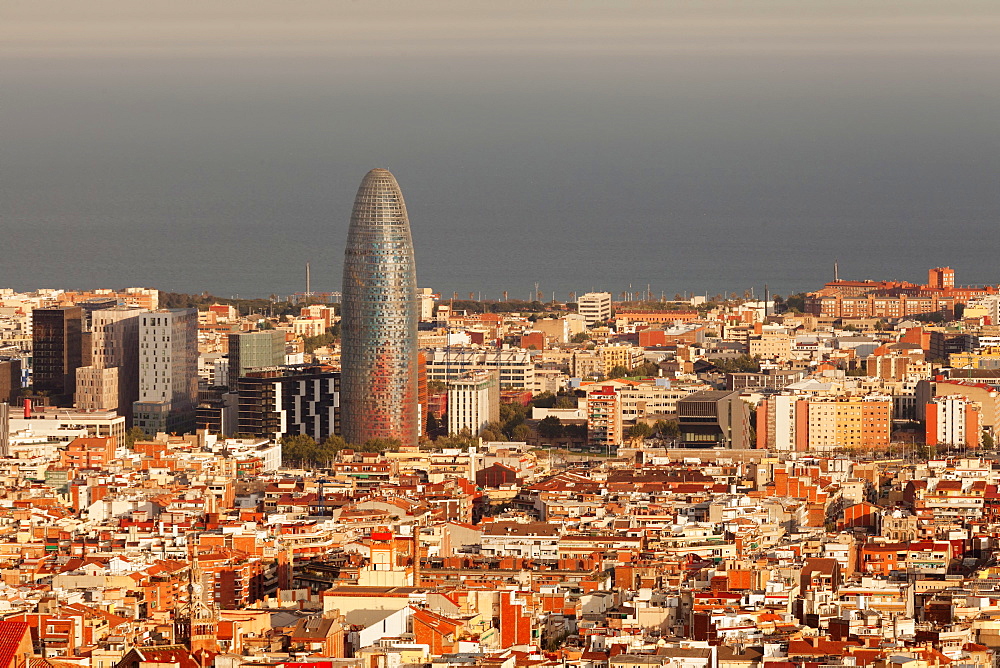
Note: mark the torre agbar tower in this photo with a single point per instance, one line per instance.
(378, 386)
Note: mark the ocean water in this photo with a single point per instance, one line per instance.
(701, 169)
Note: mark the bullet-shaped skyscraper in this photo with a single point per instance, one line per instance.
(379, 318)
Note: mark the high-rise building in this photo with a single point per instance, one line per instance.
(111, 382)
(379, 317)
(56, 351)
(473, 402)
(168, 371)
(254, 350)
(953, 420)
(4, 429)
(10, 379)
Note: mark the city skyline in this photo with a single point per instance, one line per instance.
(696, 147)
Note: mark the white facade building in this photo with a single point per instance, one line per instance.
(168, 371)
(473, 401)
(595, 307)
(517, 371)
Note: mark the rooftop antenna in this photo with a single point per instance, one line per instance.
(308, 282)
(836, 270)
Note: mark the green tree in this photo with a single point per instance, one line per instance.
(987, 441)
(327, 338)
(618, 372)
(741, 364)
(796, 303)
(668, 429)
(134, 434)
(564, 401)
(489, 435)
(333, 444)
(521, 432)
(580, 337)
(299, 449)
(512, 415)
(380, 445)
(639, 431)
(550, 427)
(433, 425)
(544, 400)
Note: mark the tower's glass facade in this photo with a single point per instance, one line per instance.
(379, 318)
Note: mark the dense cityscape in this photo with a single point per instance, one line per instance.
(391, 478)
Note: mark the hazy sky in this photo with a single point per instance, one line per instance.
(696, 145)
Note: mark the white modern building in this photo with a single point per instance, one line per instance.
(595, 307)
(517, 371)
(473, 401)
(168, 371)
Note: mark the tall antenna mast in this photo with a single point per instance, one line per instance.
(836, 270)
(308, 282)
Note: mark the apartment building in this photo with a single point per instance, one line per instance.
(604, 417)
(623, 356)
(789, 422)
(953, 420)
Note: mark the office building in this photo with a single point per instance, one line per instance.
(254, 350)
(168, 371)
(284, 402)
(714, 419)
(473, 402)
(595, 307)
(56, 351)
(111, 381)
(379, 317)
(10, 379)
(517, 370)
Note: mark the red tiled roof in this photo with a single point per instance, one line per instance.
(11, 635)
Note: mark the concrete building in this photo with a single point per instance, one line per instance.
(473, 401)
(604, 417)
(111, 381)
(517, 371)
(953, 420)
(795, 422)
(168, 371)
(771, 346)
(627, 357)
(714, 419)
(57, 351)
(647, 397)
(586, 364)
(65, 424)
(986, 396)
(254, 350)
(10, 379)
(379, 317)
(595, 307)
(427, 299)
